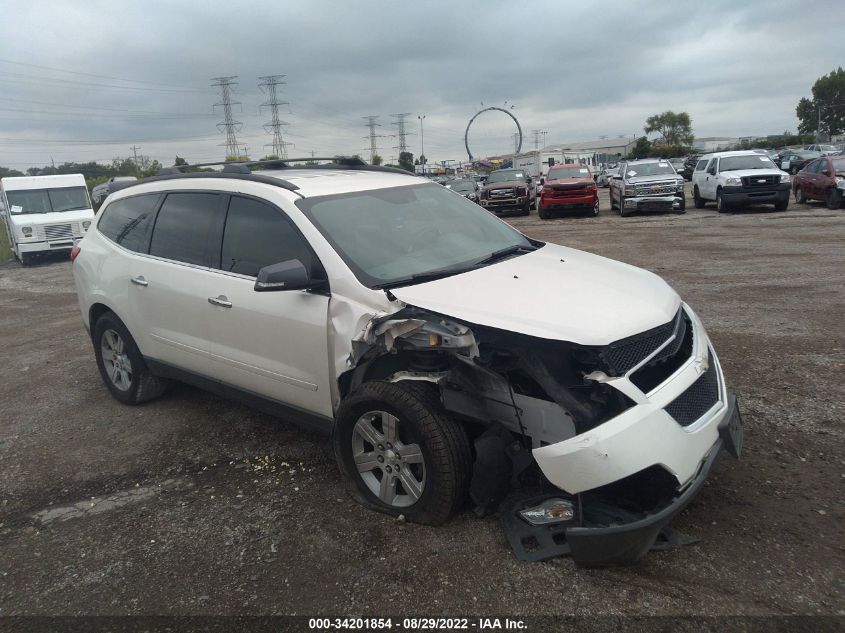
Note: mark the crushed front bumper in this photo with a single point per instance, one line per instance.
(603, 535)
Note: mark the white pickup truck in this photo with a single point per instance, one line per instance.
(731, 178)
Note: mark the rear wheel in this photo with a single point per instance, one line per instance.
(120, 362)
(800, 198)
(700, 202)
(833, 198)
(400, 453)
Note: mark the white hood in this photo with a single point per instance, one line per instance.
(584, 299)
(742, 173)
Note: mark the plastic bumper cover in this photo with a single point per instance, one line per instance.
(648, 203)
(753, 194)
(592, 544)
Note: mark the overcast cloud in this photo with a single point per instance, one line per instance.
(578, 71)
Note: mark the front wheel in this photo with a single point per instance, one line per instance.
(27, 259)
(833, 198)
(721, 205)
(596, 208)
(800, 198)
(400, 453)
(682, 208)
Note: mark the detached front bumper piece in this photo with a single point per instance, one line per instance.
(602, 532)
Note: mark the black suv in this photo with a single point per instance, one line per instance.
(509, 190)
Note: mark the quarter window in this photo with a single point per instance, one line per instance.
(258, 235)
(182, 228)
(128, 222)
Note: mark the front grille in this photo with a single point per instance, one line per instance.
(655, 190)
(571, 192)
(58, 231)
(759, 181)
(668, 360)
(502, 192)
(625, 354)
(698, 399)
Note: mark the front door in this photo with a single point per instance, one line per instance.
(274, 344)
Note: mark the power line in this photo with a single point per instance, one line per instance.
(73, 72)
(372, 125)
(18, 78)
(400, 124)
(228, 123)
(271, 82)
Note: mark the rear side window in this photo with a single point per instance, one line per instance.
(129, 221)
(182, 227)
(258, 235)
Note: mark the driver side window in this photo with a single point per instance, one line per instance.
(258, 235)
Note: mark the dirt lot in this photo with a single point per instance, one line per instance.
(191, 504)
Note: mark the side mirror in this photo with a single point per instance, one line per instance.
(287, 275)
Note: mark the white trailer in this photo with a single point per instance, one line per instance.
(44, 213)
(537, 163)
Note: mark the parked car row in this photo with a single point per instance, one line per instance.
(822, 179)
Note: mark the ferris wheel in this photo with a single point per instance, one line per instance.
(491, 108)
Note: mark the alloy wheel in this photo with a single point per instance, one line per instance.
(392, 469)
(116, 360)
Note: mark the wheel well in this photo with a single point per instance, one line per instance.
(94, 313)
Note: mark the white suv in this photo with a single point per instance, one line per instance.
(731, 178)
(442, 349)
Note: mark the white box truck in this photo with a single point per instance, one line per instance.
(44, 213)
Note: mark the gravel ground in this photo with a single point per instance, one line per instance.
(193, 505)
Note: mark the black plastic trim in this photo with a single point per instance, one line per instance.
(305, 419)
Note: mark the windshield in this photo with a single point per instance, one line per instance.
(559, 173)
(505, 176)
(461, 185)
(732, 163)
(650, 169)
(49, 200)
(386, 236)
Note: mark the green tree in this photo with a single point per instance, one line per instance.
(642, 148)
(825, 112)
(674, 128)
(376, 160)
(6, 172)
(406, 161)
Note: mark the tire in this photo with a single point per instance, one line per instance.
(596, 208)
(622, 210)
(610, 195)
(545, 214)
(527, 209)
(121, 364)
(721, 205)
(800, 198)
(833, 198)
(782, 205)
(699, 202)
(682, 208)
(439, 481)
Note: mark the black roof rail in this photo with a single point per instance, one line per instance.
(245, 167)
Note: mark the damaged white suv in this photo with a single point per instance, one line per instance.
(444, 351)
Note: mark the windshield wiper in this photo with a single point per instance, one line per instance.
(426, 276)
(505, 252)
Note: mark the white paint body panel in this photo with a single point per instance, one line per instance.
(583, 299)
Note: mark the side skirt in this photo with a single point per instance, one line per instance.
(287, 412)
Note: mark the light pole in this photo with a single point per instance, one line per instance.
(422, 140)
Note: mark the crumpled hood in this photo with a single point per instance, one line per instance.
(583, 299)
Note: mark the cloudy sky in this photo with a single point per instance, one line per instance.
(85, 80)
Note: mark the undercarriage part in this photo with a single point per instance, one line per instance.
(499, 457)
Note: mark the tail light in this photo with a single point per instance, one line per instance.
(74, 252)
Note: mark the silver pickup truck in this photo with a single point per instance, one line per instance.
(650, 184)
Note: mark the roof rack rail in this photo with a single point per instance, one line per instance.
(245, 167)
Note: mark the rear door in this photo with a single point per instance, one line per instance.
(169, 288)
(274, 344)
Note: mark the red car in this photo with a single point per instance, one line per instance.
(567, 188)
(823, 179)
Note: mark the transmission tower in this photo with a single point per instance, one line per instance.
(537, 134)
(228, 123)
(401, 133)
(270, 83)
(372, 125)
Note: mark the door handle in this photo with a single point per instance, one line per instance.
(139, 281)
(221, 301)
